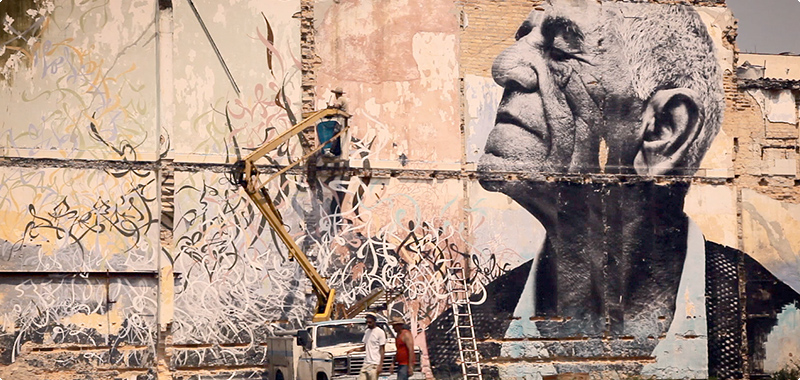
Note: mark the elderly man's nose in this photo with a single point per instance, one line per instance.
(513, 70)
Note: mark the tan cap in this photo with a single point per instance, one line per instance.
(397, 320)
(338, 90)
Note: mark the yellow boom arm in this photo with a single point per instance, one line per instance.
(247, 176)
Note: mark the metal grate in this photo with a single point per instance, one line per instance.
(724, 313)
(356, 362)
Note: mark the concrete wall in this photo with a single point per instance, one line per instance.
(775, 66)
(107, 107)
(127, 253)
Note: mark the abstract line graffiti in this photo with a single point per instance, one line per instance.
(237, 278)
(103, 106)
(108, 222)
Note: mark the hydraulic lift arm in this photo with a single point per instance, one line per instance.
(247, 176)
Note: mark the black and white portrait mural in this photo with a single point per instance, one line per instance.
(606, 113)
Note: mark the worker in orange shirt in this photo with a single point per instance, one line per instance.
(405, 349)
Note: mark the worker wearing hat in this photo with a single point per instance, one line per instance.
(404, 357)
(327, 129)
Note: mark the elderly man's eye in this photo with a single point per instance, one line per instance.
(562, 49)
(560, 55)
(523, 30)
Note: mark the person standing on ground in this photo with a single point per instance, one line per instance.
(405, 349)
(374, 345)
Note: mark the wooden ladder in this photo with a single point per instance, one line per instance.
(464, 326)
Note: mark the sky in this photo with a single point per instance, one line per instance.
(767, 26)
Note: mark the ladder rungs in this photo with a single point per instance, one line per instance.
(465, 328)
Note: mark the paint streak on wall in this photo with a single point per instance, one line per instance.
(713, 208)
(234, 279)
(370, 233)
(769, 230)
(78, 220)
(86, 88)
(259, 44)
(98, 315)
(500, 227)
(778, 106)
(482, 97)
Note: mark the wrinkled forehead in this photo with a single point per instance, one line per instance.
(574, 6)
(587, 15)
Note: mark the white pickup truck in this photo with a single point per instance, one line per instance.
(320, 352)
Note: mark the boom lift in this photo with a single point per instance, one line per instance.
(246, 175)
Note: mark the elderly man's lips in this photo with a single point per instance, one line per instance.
(504, 117)
(491, 162)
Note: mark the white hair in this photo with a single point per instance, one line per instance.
(668, 46)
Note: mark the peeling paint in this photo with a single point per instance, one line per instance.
(778, 106)
(109, 322)
(770, 234)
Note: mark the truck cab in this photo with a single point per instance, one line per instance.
(326, 355)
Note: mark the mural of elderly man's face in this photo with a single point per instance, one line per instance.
(554, 77)
(582, 72)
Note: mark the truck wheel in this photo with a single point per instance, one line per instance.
(279, 375)
(322, 376)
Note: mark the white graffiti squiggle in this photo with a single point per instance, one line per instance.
(236, 279)
(49, 312)
(411, 253)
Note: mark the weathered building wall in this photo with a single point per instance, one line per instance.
(108, 108)
(80, 232)
(398, 61)
(127, 252)
(775, 65)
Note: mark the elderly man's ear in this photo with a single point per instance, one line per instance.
(671, 123)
